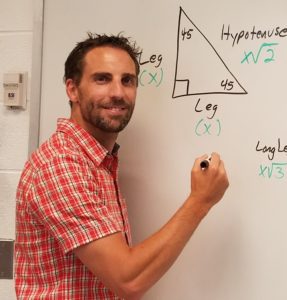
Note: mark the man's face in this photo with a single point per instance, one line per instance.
(107, 90)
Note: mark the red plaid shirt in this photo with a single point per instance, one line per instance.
(67, 196)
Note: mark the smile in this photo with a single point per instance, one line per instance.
(116, 110)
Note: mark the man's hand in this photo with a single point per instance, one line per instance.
(208, 185)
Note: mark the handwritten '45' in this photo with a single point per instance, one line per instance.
(276, 170)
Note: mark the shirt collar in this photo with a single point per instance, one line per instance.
(87, 142)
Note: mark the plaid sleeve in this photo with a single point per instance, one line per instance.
(65, 198)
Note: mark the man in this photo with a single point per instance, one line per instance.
(73, 237)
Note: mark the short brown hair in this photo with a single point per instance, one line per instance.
(74, 63)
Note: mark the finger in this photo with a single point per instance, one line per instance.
(222, 166)
(215, 159)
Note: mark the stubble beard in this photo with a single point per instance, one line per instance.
(114, 124)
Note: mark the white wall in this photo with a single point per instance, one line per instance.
(16, 33)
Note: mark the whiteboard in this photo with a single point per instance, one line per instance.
(213, 78)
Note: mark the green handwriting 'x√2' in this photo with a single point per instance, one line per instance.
(270, 51)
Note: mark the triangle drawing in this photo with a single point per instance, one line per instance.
(199, 68)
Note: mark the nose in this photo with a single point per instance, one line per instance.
(117, 89)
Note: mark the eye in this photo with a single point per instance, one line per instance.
(102, 78)
(129, 80)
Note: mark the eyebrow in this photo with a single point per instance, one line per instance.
(101, 74)
(108, 74)
(130, 74)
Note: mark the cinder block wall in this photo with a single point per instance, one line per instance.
(16, 33)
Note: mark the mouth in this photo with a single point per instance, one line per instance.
(116, 106)
(116, 110)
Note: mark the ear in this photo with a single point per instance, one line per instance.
(72, 90)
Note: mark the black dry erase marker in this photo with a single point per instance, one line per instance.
(205, 163)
